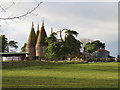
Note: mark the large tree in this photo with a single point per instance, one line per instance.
(12, 46)
(52, 38)
(3, 43)
(6, 45)
(72, 45)
(53, 49)
(91, 47)
(84, 42)
(63, 48)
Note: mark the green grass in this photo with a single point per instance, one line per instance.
(90, 75)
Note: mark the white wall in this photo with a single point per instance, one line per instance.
(16, 58)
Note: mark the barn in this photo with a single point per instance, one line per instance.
(102, 53)
(13, 56)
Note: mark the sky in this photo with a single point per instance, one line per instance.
(92, 20)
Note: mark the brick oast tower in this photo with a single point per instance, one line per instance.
(41, 44)
(30, 47)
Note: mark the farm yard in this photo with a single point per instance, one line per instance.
(60, 75)
(59, 45)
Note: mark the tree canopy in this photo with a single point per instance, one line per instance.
(68, 47)
(72, 46)
(3, 43)
(23, 49)
(52, 38)
(6, 45)
(91, 47)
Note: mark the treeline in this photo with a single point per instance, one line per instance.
(68, 46)
(60, 48)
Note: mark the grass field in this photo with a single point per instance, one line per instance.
(89, 75)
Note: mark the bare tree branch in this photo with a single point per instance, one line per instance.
(61, 33)
(4, 9)
(34, 14)
(23, 15)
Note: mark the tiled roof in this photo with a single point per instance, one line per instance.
(101, 50)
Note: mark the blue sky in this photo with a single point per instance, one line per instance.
(92, 20)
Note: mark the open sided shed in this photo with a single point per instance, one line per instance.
(13, 56)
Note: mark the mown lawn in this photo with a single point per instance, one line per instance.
(89, 75)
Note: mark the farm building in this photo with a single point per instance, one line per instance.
(102, 53)
(36, 43)
(13, 56)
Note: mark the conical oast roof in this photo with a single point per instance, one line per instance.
(41, 37)
(32, 37)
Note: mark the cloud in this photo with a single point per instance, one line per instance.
(91, 20)
(91, 23)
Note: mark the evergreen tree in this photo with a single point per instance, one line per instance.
(91, 47)
(72, 45)
(61, 49)
(52, 38)
(23, 49)
(53, 49)
(12, 45)
(6, 45)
